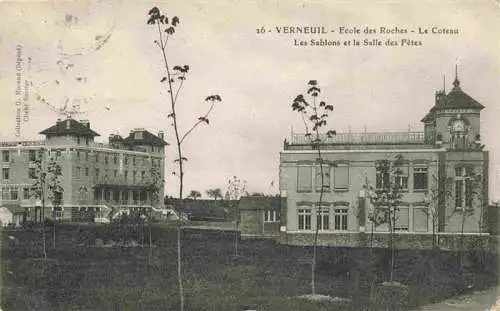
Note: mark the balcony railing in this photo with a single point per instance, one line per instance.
(121, 181)
(23, 143)
(363, 138)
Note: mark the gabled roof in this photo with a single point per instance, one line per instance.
(260, 203)
(69, 127)
(147, 139)
(458, 99)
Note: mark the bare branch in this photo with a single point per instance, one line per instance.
(200, 120)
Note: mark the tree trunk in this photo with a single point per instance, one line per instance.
(391, 242)
(54, 233)
(316, 233)
(462, 237)
(236, 237)
(179, 266)
(372, 270)
(150, 244)
(43, 225)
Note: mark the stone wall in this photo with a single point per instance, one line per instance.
(401, 241)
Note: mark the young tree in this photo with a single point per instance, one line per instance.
(236, 188)
(174, 77)
(48, 185)
(55, 189)
(315, 114)
(214, 193)
(38, 190)
(154, 185)
(466, 201)
(432, 201)
(387, 200)
(194, 194)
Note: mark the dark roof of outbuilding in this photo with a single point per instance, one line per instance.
(69, 127)
(259, 203)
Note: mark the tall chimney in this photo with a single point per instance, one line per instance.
(161, 135)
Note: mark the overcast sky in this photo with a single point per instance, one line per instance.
(257, 75)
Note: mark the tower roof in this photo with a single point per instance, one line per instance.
(457, 99)
(69, 127)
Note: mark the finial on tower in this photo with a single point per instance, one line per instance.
(456, 83)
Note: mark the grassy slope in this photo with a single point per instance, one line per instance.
(266, 276)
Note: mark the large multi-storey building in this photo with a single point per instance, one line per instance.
(97, 178)
(441, 165)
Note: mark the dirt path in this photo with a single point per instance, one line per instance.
(477, 301)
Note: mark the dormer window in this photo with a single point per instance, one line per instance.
(138, 135)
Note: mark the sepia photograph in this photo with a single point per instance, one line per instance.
(249, 155)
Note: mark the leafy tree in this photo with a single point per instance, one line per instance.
(474, 188)
(386, 201)
(154, 186)
(236, 188)
(432, 201)
(174, 78)
(214, 193)
(315, 114)
(55, 189)
(38, 190)
(47, 185)
(194, 194)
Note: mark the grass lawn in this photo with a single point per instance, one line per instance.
(265, 275)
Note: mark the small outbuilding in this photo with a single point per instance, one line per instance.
(260, 216)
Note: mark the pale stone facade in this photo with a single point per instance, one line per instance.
(97, 178)
(447, 160)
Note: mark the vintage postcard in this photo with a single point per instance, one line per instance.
(249, 155)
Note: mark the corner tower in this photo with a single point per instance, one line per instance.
(454, 121)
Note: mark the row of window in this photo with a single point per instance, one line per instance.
(341, 178)
(323, 219)
(120, 195)
(114, 159)
(12, 193)
(32, 156)
(420, 178)
(336, 219)
(322, 178)
(97, 173)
